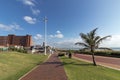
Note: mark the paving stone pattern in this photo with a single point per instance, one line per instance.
(52, 69)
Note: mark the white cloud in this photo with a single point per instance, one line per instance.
(30, 20)
(11, 27)
(32, 6)
(38, 37)
(58, 32)
(29, 2)
(57, 35)
(51, 36)
(114, 41)
(67, 43)
(35, 11)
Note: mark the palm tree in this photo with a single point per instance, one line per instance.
(91, 41)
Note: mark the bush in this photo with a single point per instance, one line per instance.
(84, 52)
(1, 49)
(61, 54)
(18, 50)
(103, 53)
(115, 54)
(22, 50)
(12, 48)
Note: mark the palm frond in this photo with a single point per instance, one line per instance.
(82, 44)
(93, 33)
(97, 38)
(101, 39)
(83, 36)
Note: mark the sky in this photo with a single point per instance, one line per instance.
(66, 19)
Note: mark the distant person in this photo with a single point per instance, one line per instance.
(70, 55)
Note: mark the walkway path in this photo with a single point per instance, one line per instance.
(105, 61)
(52, 69)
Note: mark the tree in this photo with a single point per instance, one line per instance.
(91, 41)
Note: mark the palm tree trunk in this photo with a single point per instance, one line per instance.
(94, 62)
(92, 51)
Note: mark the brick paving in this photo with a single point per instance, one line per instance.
(52, 69)
(105, 61)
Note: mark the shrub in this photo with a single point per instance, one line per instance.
(18, 50)
(103, 53)
(1, 49)
(12, 48)
(61, 54)
(85, 52)
(115, 54)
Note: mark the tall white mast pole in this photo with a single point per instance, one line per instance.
(45, 19)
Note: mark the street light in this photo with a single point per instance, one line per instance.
(45, 20)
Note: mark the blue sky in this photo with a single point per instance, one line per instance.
(66, 19)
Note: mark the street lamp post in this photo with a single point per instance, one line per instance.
(45, 20)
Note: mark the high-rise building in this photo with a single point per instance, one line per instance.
(13, 40)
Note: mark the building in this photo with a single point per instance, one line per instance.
(13, 40)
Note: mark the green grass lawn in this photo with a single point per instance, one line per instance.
(78, 70)
(13, 64)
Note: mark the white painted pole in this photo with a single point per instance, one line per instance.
(45, 19)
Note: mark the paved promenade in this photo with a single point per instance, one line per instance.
(52, 69)
(105, 61)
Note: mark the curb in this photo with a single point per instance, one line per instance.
(98, 63)
(33, 68)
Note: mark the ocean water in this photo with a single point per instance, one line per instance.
(116, 49)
